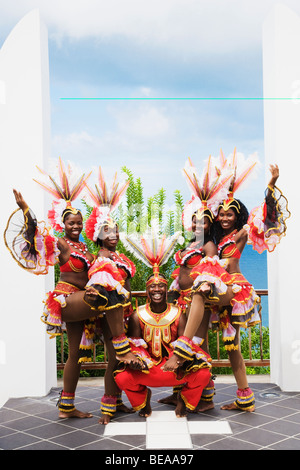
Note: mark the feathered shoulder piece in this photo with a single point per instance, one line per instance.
(65, 186)
(104, 201)
(207, 191)
(152, 249)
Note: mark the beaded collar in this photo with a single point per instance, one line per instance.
(80, 246)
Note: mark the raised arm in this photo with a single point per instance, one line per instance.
(20, 201)
(274, 175)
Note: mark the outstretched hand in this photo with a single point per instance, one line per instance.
(274, 175)
(20, 200)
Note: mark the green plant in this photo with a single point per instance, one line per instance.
(244, 342)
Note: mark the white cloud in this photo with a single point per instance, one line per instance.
(182, 26)
(74, 139)
(146, 122)
(149, 137)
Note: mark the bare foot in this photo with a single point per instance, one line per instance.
(124, 409)
(180, 409)
(170, 400)
(204, 406)
(104, 419)
(146, 411)
(74, 414)
(233, 406)
(205, 288)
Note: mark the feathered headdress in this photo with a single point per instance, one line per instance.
(207, 191)
(65, 188)
(241, 171)
(152, 249)
(104, 202)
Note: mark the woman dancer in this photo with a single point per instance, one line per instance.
(240, 300)
(36, 250)
(198, 216)
(234, 228)
(109, 284)
(74, 260)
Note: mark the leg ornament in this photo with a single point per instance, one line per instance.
(66, 402)
(208, 392)
(108, 405)
(245, 399)
(184, 348)
(121, 345)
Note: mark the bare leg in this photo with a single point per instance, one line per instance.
(146, 411)
(76, 309)
(195, 318)
(72, 368)
(180, 409)
(239, 371)
(202, 333)
(193, 322)
(238, 367)
(111, 387)
(115, 322)
(169, 400)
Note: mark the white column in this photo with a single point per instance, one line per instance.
(281, 79)
(27, 355)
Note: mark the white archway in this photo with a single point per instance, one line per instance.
(27, 356)
(281, 80)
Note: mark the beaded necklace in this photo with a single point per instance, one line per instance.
(80, 246)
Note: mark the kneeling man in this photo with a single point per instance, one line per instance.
(153, 330)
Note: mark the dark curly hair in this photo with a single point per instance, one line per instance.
(242, 216)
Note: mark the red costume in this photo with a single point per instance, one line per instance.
(159, 331)
(108, 277)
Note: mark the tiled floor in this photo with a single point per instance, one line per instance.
(33, 424)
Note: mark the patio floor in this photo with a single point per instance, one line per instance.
(33, 424)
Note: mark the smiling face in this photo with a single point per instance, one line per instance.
(157, 293)
(109, 237)
(73, 226)
(227, 220)
(200, 227)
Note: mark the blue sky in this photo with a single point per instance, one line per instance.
(159, 49)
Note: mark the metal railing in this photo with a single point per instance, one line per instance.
(216, 361)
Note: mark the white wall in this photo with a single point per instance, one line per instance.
(281, 79)
(27, 355)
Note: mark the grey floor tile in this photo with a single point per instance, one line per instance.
(28, 422)
(44, 445)
(283, 427)
(50, 430)
(260, 437)
(75, 439)
(287, 444)
(294, 418)
(275, 410)
(107, 445)
(231, 443)
(16, 440)
(33, 423)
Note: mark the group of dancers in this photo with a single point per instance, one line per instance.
(162, 343)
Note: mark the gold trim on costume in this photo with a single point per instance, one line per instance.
(157, 326)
